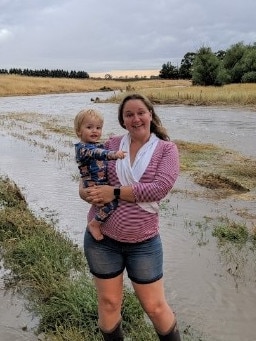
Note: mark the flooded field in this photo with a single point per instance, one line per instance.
(211, 286)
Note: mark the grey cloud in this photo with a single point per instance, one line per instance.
(96, 35)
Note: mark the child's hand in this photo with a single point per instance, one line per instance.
(121, 154)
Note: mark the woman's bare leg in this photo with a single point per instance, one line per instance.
(153, 301)
(110, 296)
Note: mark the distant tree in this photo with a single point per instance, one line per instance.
(58, 73)
(249, 77)
(233, 62)
(248, 62)
(108, 76)
(73, 74)
(236, 64)
(185, 70)
(206, 68)
(82, 74)
(223, 76)
(15, 71)
(169, 71)
(44, 73)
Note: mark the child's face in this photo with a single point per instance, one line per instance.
(90, 130)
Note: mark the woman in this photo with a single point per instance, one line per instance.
(131, 234)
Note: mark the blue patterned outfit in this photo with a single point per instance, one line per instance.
(92, 163)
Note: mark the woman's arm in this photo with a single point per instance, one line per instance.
(160, 176)
(158, 181)
(102, 194)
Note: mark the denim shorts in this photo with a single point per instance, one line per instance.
(108, 258)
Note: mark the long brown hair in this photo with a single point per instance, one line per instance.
(156, 124)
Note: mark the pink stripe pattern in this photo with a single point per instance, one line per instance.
(130, 223)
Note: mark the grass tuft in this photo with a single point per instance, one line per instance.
(231, 231)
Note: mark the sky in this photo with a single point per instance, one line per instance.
(105, 35)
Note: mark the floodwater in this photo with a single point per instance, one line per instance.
(211, 287)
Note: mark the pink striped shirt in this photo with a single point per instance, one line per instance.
(129, 222)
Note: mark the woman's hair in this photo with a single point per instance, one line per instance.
(156, 124)
(85, 114)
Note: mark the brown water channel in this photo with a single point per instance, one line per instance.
(211, 287)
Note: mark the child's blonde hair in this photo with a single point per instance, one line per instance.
(83, 115)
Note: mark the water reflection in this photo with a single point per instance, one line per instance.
(203, 291)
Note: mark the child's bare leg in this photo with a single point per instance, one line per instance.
(94, 228)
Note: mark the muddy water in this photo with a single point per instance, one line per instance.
(211, 287)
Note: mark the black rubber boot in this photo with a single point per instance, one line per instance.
(115, 335)
(173, 335)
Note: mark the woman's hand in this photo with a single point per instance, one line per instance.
(96, 195)
(83, 192)
(100, 195)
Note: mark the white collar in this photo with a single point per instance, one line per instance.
(128, 174)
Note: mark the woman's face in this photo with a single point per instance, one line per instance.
(137, 118)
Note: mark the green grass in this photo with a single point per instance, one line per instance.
(231, 231)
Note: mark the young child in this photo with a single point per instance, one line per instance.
(91, 158)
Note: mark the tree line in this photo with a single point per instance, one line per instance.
(235, 65)
(58, 73)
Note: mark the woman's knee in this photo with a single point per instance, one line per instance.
(152, 298)
(110, 293)
(156, 308)
(109, 303)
